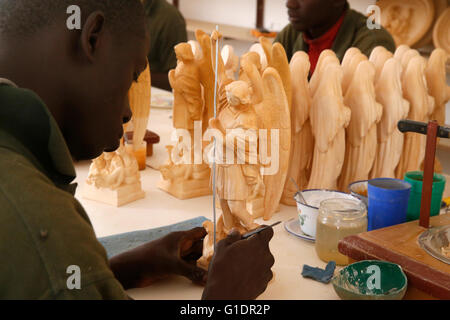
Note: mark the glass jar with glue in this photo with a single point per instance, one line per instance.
(337, 219)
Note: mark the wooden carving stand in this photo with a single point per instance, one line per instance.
(428, 278)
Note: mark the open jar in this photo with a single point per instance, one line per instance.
(337, 219)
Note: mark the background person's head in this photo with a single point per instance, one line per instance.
(307, 15)
(83, 75)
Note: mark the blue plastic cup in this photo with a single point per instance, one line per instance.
(388, 202)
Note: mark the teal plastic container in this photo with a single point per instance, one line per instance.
(415, 178)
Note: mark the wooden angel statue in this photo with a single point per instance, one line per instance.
(276, 58)
(240, 180)
(207, 75)
(361, 141)
(302, 148)
(329, 118)
(185, 82)
(415, 90)
(352, 58)
(187, 110)
(437, 83)
(139, 98)
(389, 94)
(231, 61)
(378, 57)
(114, 178)
(326, 58)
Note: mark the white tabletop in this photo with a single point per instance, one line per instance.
(160, 209)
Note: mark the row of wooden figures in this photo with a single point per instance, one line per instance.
(353, 110)
(343, 122)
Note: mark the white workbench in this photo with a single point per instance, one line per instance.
(160, 209)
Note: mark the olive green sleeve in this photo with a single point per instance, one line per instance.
(44, 233)
(168, 39)
(366, 40)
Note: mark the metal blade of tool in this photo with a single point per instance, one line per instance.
(214, 149)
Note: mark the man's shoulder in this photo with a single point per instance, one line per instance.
(369, 38)
(162, 12)
(18, 96)
(287, 35)
(42, 228)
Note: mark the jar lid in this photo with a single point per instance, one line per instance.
(343, 209)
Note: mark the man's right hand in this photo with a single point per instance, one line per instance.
(240, 269)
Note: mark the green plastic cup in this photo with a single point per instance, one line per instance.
(415, 178)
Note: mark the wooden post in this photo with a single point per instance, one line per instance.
(176, 3)
(428, 174)
(260, 14)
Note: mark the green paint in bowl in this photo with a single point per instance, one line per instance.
(371, 280)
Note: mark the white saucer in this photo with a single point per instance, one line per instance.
(293, 227)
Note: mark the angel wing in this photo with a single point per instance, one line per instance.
(378, 57)
(281, 63)
(390, 94)
(437, 82)
(276, 116)
(361, 99)
(326, 58)
(349, 68)
(139, 98)
(329, 101)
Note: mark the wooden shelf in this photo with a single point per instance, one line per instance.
(238, 33)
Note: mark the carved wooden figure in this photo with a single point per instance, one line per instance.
(389, 93)
(407, 21)
(421, 107)
(352, 58)
(237, 179)
(182, 177)
(378, 57)
(437, 83)
(276, 118)
(329, 131)
(231, 61)
(326, 58)
(114, 179)
(361, 141)
(139, 98)
(440, 32)
(302, 146)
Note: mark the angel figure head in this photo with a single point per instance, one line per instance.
(183, 52)
(238, 93)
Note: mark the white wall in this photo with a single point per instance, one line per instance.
(243, 12)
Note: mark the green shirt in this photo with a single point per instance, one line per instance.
(43, 228)
(167, 28)
(353, 33)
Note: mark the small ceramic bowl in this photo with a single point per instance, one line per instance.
(360, 189)
(371, 280)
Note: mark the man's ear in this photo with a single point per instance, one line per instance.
(91, 35)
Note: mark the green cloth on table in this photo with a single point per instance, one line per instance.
(119, 243)
(353, 33)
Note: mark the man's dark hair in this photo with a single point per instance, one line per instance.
(25, 17)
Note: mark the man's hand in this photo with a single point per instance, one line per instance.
(175, 254)
(240, 269)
